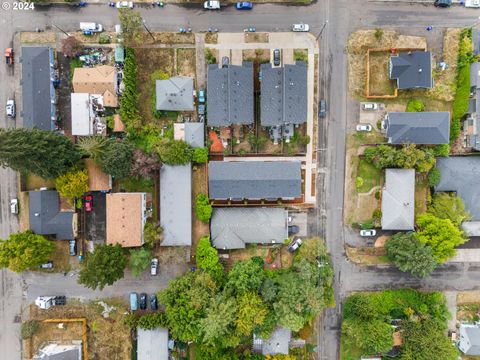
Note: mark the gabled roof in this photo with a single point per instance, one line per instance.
(412, 69)
(175, 94)
(152, 344)
(277, 343)
(194, 134)
(232, 228)
(176, 205)
(38, 94)
(46, 217)
(423, 128)
(254, 179)
(230, 95)
(100, 79)
(283, 96)
(469, 339)
(398, 200)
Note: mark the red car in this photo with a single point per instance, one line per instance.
(88, 203)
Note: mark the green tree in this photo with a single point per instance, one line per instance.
(207, 258)
(203, 209)
(151, 234)
(42, 153)
(129, 100)
(73, 184)
(415, 105)
(441, 234)
(25, 250)
(218, 324)
(448, 206)
(132, 26)
(117, 159)
(246, 276)
(369, 336)
(408, 157)
(360, 306)
(139, 260)
(173, 152)
(251, 313)
(200, 155)
(434, 177)
(442, 150)
(103, 267)
(410, 255)
(93, 146)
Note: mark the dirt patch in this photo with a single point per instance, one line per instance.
(257, 55)
(211, 38)
(381, 240)
(170, 38)
(60, 258)
(199, 186)
(380, 83)
(38, 38)
(168, 255)
(367, 255)
(422, 194)
(186, 65)
(23, 211)
(466, 297)
(256, 37)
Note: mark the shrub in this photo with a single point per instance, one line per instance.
(415, 105)
(377, 214)
(152, 321)
(104, 39)
(200, 155)
(203, 209)
(442, 150)
(367, 225)
(209, 57)
(129, 100)
(151, 234)
(359, 182)
(378, 33)
(29, 328)
(173, 152)
(434, 177)
(131, 320)
(378, 194)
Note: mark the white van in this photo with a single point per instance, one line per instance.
(90, 26)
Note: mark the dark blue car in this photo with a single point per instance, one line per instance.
(244, 5)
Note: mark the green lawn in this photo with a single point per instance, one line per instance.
(370, 174)
(137, 185)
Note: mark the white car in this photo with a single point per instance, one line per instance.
(370, 106)
(154, 267)
(472, 3)
(300, 27)
(124, 5)
(364, 127)
(211, 5)
(10, 108)
(14, 206)
(369, 232)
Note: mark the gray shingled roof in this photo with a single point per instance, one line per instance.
(461, 174)
(398, 200)
(469, 339)
(37, 88)
(46, 217)
(277, 343)
(152, 344)
(283, 98)
(176, 205)
(230, 95)
(425, 128)
(412, 69)
(175, 94)
(254, 179)
(232, 228)
(194, 134)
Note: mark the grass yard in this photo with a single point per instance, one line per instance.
(370, 174)
(199, 186)
(186, 65)
(422, 191)
(60, 257)
(33, 182)
(380, 83)
(468, 312)
(211, 38)
(38, 38)
(133, 184)
(367, 256)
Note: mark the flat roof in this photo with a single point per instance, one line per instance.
(152, 344)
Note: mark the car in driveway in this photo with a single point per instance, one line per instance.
(143, 301)
(88, 203)
(153, 302)
(72, 247)
(201, 96)
(154, 267)
(295, 244)
(211, 5)
(300, 27)
(10, 108)
(364, 127)
(370, 106)
(124, 5)
(244, 5)
(14, 206)
(368, 232)
(276, 57)
(133, 301)
(293, 229)
(47, 265)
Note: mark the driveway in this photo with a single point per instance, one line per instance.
(95, 221)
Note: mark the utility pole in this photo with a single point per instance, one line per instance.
(321, 31)
(61, 30)
(145, 26)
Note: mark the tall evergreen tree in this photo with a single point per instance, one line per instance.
(42, 153)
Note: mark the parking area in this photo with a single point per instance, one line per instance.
(299, 219)
(373, 115)
(95, 220)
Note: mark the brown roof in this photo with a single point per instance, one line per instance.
(118, 125)
(97, 80)
(97, 179)
(125, 219)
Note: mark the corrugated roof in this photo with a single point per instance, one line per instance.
(283, 96)
(230, 95)
(152, 344)
(232, 228)
(38, 94)
(424, 128)
(176, 205)
(412, 69)
(175, 94)
(254, 179)
(398, 200)
(194, 134)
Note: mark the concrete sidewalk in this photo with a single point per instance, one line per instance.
(466, 256)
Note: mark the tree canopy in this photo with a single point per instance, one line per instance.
(448, 206)
(73, 184)
(408, 157)
(200, 155)
(173, 152)
(139, 260)
(92, 146)
(117, 159)
(246, 276)
(203, 209)
(207, 258)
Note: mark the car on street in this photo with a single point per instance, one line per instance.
(88, 200)
(295, 244)
(153, 302)
(47, 265)
(322, 108)
(276, 57)
(443, 3)
(133, 301)
(472, 3)
(14, 206)
(300, 27)
(72, 247)
(369, 106)
(293, 229)
(244, 5)
(201, 96)
(143, 301)
(154, 267)
(368, 232)
(225, 61)
(364, 127)
(211, 5)
(10, 108)
(124, 5)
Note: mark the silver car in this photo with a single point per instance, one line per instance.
(368, 232)
(10, 108)
(14, 206)
(364, 127)
(300, 27)
(154, 267)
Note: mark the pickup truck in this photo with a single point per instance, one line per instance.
(211, 5)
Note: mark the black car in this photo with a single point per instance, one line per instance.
(276, 57)
(72, 248)
(293, 229)
(143, 301)
(322, 108)
(443, 3)
(153, 302)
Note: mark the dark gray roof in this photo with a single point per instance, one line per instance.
(175, 94)
(398, 199)
(37, 88)
(232, 228)
(469, 339)
(277, 343)
(283, 96)
(476, 40)
(254, 179)
(424, 128)
(412, 69)
(194, 134)
(46, 217)
(176, 205)
(230, 95)
(152, 344)
(461, 174)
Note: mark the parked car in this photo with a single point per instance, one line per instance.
(295, 244)
(225, 61)
(153, 302)
(124, 5)
(300, 27)
(364, 127)
(10, 108)
(293, 229)
(143, 301)
(211, 5)
(133, 301)
(9, 56)
(47, 265)
(201, 96)
(322, 108)
(72, 247)
(370, 106)
(443, 3)
(14, 206)
(472, 3)
(88, 203)
(276, 57)
(154, 267)
(201, 110)
(368, 232)
(244, 5)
